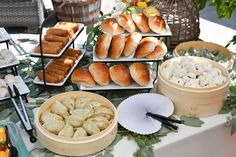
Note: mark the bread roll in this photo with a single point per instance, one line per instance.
(146, 47)
(102, 45)
(83, 76)
(120, 75)
(131, 44)
(58, 31)
(117, 46)
(126, 22)
(55, 38)
(158, 52)
(110, 25)
(140, 73)
(141, 22)
(157, 24)
(100, 73)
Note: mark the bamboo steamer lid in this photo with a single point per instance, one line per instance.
(80, 146)
(199, 102)
(199, 45)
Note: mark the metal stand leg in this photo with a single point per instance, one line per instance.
(7, 45)
(26, 99)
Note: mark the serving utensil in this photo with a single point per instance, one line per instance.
(21, 112)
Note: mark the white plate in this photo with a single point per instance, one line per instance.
(4, 36)
(15, 62)
(113, 86)
(21, 86)
(34, 54)
(132, 112)
(40, 82)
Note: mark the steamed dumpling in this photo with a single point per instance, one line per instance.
(10, 79)
(80, 132)
(3, 92)
(59, 109)
(101, 122)
(90, 127)
(103, 111)
(82, 102)
(93, 104)
(3, 83)
(48, 116)
(86, 113)
(67, 131)
(75, 120)
(69, 103)
(54, 126)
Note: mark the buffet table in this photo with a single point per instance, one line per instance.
(212, 139)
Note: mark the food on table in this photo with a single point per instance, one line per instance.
(157, 24)
(110, 25)
(116, 49)
(141, 22)
(57, 70)
(85, 118)
(100, 73)
(57, 37)
(159, 51)
(120, 75)
(215, 55)
(102, 45)
(151, 10)
(4, 150)
(140, 73)
(131, 44)
(190, 73)
(8, 80)
(146, 47)
(126, 21)
(6, 57)
(83, 76)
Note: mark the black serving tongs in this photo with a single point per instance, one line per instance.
(166, 121)
(21, 112)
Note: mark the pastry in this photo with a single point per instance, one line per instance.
(146, 47)
(100, 73)
(110, 25)
(58, 31)
(120, 75)
(55, 38)
(157, 24)
(83, 76)
(48, 48)
(140, 73)
(159, 51)
(141, 22)
(50, 77)
(126, 22)
(131, 44)
(102, 46)
(117, 46)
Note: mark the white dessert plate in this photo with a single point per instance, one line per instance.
(132, 112)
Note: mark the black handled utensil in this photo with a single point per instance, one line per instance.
(21, 112)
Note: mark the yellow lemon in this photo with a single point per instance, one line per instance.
(142, 5)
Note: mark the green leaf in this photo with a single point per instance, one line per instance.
(108, 154)
(30, 112)
(233, 127)
(137, 9)
(99, 155)
(49, 154)
(163, 131)
(224, 111)
(232, 89)
(201, 4)
(116, 140)
(5, 113)
(89, 29)
(14, 117)
(144, 152)
(40, 101)
(192, 121)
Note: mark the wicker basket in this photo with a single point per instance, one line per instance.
(183, 19)
(83, 11)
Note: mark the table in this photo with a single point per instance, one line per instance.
(4, 36)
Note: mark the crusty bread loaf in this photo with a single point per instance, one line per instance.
(110, 25)
(83, 76)
(117, 46)
(126, 22)
(146, 47)
(141, 22)
(131, 44)
(102, 45)
(140, 73)
(159, 51)
(157, 24)
(100, 73)
(120, 75)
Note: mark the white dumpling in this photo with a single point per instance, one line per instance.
(67, 131)
(203, 82)
(206, 66)
(186, 79)
(177, 80)
(215, 72)
(82, 102)
(199, 70)
(10, 79)
(2, 62)
(101, 122)
(84, 112)
(3, 83)
(3, 92)
(191, 75)
(167, 72)
(90, 127)
(104, 111)
(75, 120)
(48, 116)
(54, 126)
(80, 132)
(192, 83)
(59, 109)
(93, 105)
(69, 103)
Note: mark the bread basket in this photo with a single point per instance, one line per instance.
(212, 46)
(81, 146)
(197, 102)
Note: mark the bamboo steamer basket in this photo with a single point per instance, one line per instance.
(199, 45)
(80, 146)
(196, 102)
